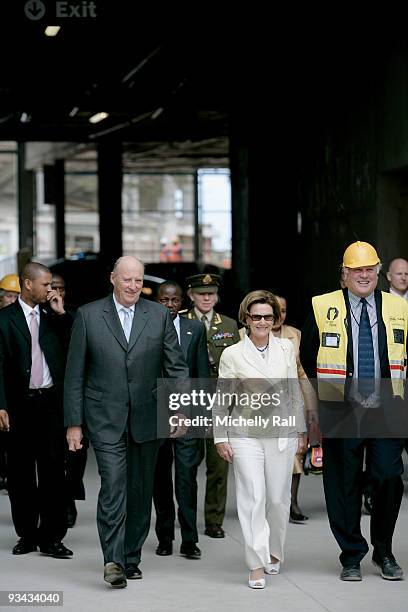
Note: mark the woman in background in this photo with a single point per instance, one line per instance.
(281, 330)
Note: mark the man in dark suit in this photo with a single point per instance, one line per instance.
(222, 331)
(354, 338)
(33, 339)
(75, 462)
(120, 346)
(192, 336)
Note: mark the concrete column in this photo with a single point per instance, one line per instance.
(239, 165)
(60, 207)
(110, 200)
(25, 207)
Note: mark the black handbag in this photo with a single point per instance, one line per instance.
(313, 461)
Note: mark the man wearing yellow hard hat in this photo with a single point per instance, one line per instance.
(355, 337)
(9, 289)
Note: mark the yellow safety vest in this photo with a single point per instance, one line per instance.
(331, 317)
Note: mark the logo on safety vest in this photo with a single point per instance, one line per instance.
(332, 313)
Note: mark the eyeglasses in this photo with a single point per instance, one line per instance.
(258, 317)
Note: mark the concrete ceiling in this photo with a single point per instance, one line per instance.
(174, 78)
(165, 86)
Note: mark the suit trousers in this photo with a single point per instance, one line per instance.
(3, 454)
(126, 469)
(343, 484)
(185, 452)
(263, 476)
(216, 483)
(36, 476)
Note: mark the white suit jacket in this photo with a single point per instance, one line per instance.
(243, 361)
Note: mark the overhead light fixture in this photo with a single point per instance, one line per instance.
(98, 117)
(52, 30)
(25, 118)
(140, 65)
(157, 113)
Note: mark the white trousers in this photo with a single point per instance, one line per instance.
(263, 476)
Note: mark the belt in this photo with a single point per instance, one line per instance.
(39, 392)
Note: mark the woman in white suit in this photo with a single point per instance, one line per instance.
(262, 463)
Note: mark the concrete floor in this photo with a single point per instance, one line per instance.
(218, 581)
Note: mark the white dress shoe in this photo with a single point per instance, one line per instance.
(259, 583)
(273, 568)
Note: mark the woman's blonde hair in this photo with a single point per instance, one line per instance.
(258, 297)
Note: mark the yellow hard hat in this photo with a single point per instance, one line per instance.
(10, 282)
(360, 254)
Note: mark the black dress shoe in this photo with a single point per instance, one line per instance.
(132, 572)
(389, 568)
(114, 575)
(214, 531)
(190, 550)
(164, 549)
(71, 514)
(23, 547)
(351, 573)
(57, 550)
(297, 517)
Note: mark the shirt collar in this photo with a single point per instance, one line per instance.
(355, 299)
(404, 297)
(27, 309)
(120, 306)
(200, 314)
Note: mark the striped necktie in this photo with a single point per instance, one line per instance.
(366, 368)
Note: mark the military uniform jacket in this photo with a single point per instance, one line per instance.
(223, 332)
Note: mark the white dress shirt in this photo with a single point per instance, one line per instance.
(404, 297)
(121, 314)
(27, 310)
(176, 322)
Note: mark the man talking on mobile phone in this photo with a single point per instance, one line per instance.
(33, 340)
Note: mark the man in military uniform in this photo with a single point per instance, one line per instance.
(222, 331)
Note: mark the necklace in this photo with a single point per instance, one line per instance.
(262, 349)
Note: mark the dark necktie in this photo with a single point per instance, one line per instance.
(366, 369)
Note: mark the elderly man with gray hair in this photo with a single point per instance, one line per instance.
(120, 346)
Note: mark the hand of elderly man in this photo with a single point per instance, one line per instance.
(74, 437)
(4, 420)
(224, 449)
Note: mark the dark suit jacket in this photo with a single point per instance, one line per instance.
(15, 354)
(110, 382)
(193, 339)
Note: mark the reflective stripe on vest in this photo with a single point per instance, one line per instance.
(331, 318)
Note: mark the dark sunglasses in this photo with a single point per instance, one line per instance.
(258, 317)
